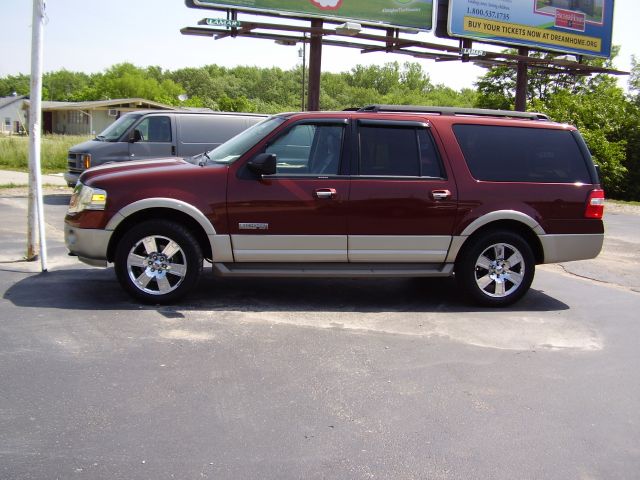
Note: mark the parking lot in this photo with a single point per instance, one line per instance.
(290, 378)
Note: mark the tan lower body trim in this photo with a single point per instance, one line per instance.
(387, 248)
(289, 248)
(338, 248)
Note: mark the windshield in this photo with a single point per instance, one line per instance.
(114, 131)
(233, 149)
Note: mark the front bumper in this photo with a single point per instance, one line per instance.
(71, 178)
(88, 244)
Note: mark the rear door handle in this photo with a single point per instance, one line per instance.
(326, 193)
(440, 194)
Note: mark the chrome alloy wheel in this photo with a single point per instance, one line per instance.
(156, 265)
(499, 270)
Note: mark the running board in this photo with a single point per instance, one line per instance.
(333, 270)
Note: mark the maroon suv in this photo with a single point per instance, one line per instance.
(389, 191)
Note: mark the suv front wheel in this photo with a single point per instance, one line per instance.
(158, 261)
(496, 269)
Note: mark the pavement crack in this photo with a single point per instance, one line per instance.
(597, 280)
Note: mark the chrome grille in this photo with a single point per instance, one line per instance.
(74, 162)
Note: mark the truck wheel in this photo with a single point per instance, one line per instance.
(496, 269)
(158, 261)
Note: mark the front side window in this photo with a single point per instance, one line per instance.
(234, 148)
(155, 129)
(114, 131)
(392, 151)
(308, 149)
(516, 154)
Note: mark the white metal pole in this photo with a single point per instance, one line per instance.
(35, 129)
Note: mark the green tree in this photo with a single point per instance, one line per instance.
(602, 114)
(128, 81)
(63, 85)
(634, 79)
(197, 82)
(19, 84)
(497, 87)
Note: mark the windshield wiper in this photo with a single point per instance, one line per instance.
(100, 137)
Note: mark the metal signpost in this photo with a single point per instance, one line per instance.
(36, 207)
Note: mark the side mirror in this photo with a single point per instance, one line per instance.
(263, 164)
(135, 136)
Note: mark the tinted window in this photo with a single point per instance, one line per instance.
(155, 129)
(430, 165)
(398, 151)
(308, 149)
(514, 154)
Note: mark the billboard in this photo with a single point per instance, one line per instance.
(396, 13)
(582, 27)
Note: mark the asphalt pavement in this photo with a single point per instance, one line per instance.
(316, 379)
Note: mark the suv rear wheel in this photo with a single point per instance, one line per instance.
(158, 261)
(496, 269)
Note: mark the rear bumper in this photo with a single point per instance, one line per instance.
(88, 244)
(566, 248)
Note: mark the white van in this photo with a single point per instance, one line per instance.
(156, 134)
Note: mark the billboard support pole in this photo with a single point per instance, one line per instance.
(521, 81)
(315, 65)
(304, 71)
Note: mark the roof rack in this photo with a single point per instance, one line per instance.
(454, 111)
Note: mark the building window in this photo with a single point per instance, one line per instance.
(76, 117)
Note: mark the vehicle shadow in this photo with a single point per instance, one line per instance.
(91, 289)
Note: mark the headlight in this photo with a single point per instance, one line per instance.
(87, 198)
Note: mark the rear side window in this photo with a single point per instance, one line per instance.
(516, 154)
(398, 152)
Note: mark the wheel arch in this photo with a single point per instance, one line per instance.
(511, 221)
(163, 209)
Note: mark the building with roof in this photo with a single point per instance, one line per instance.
(82, 118)
(12, 119)
(71, 118)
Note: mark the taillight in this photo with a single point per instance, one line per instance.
(595, 204)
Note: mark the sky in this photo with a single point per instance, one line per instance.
(91, 35)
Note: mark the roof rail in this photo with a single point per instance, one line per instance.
(455, 111)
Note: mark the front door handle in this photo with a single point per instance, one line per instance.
(326, 193)
(440, 194)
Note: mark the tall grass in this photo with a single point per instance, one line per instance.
(14, 152)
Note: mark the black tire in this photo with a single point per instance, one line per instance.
(496, 268)
(158, 261)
